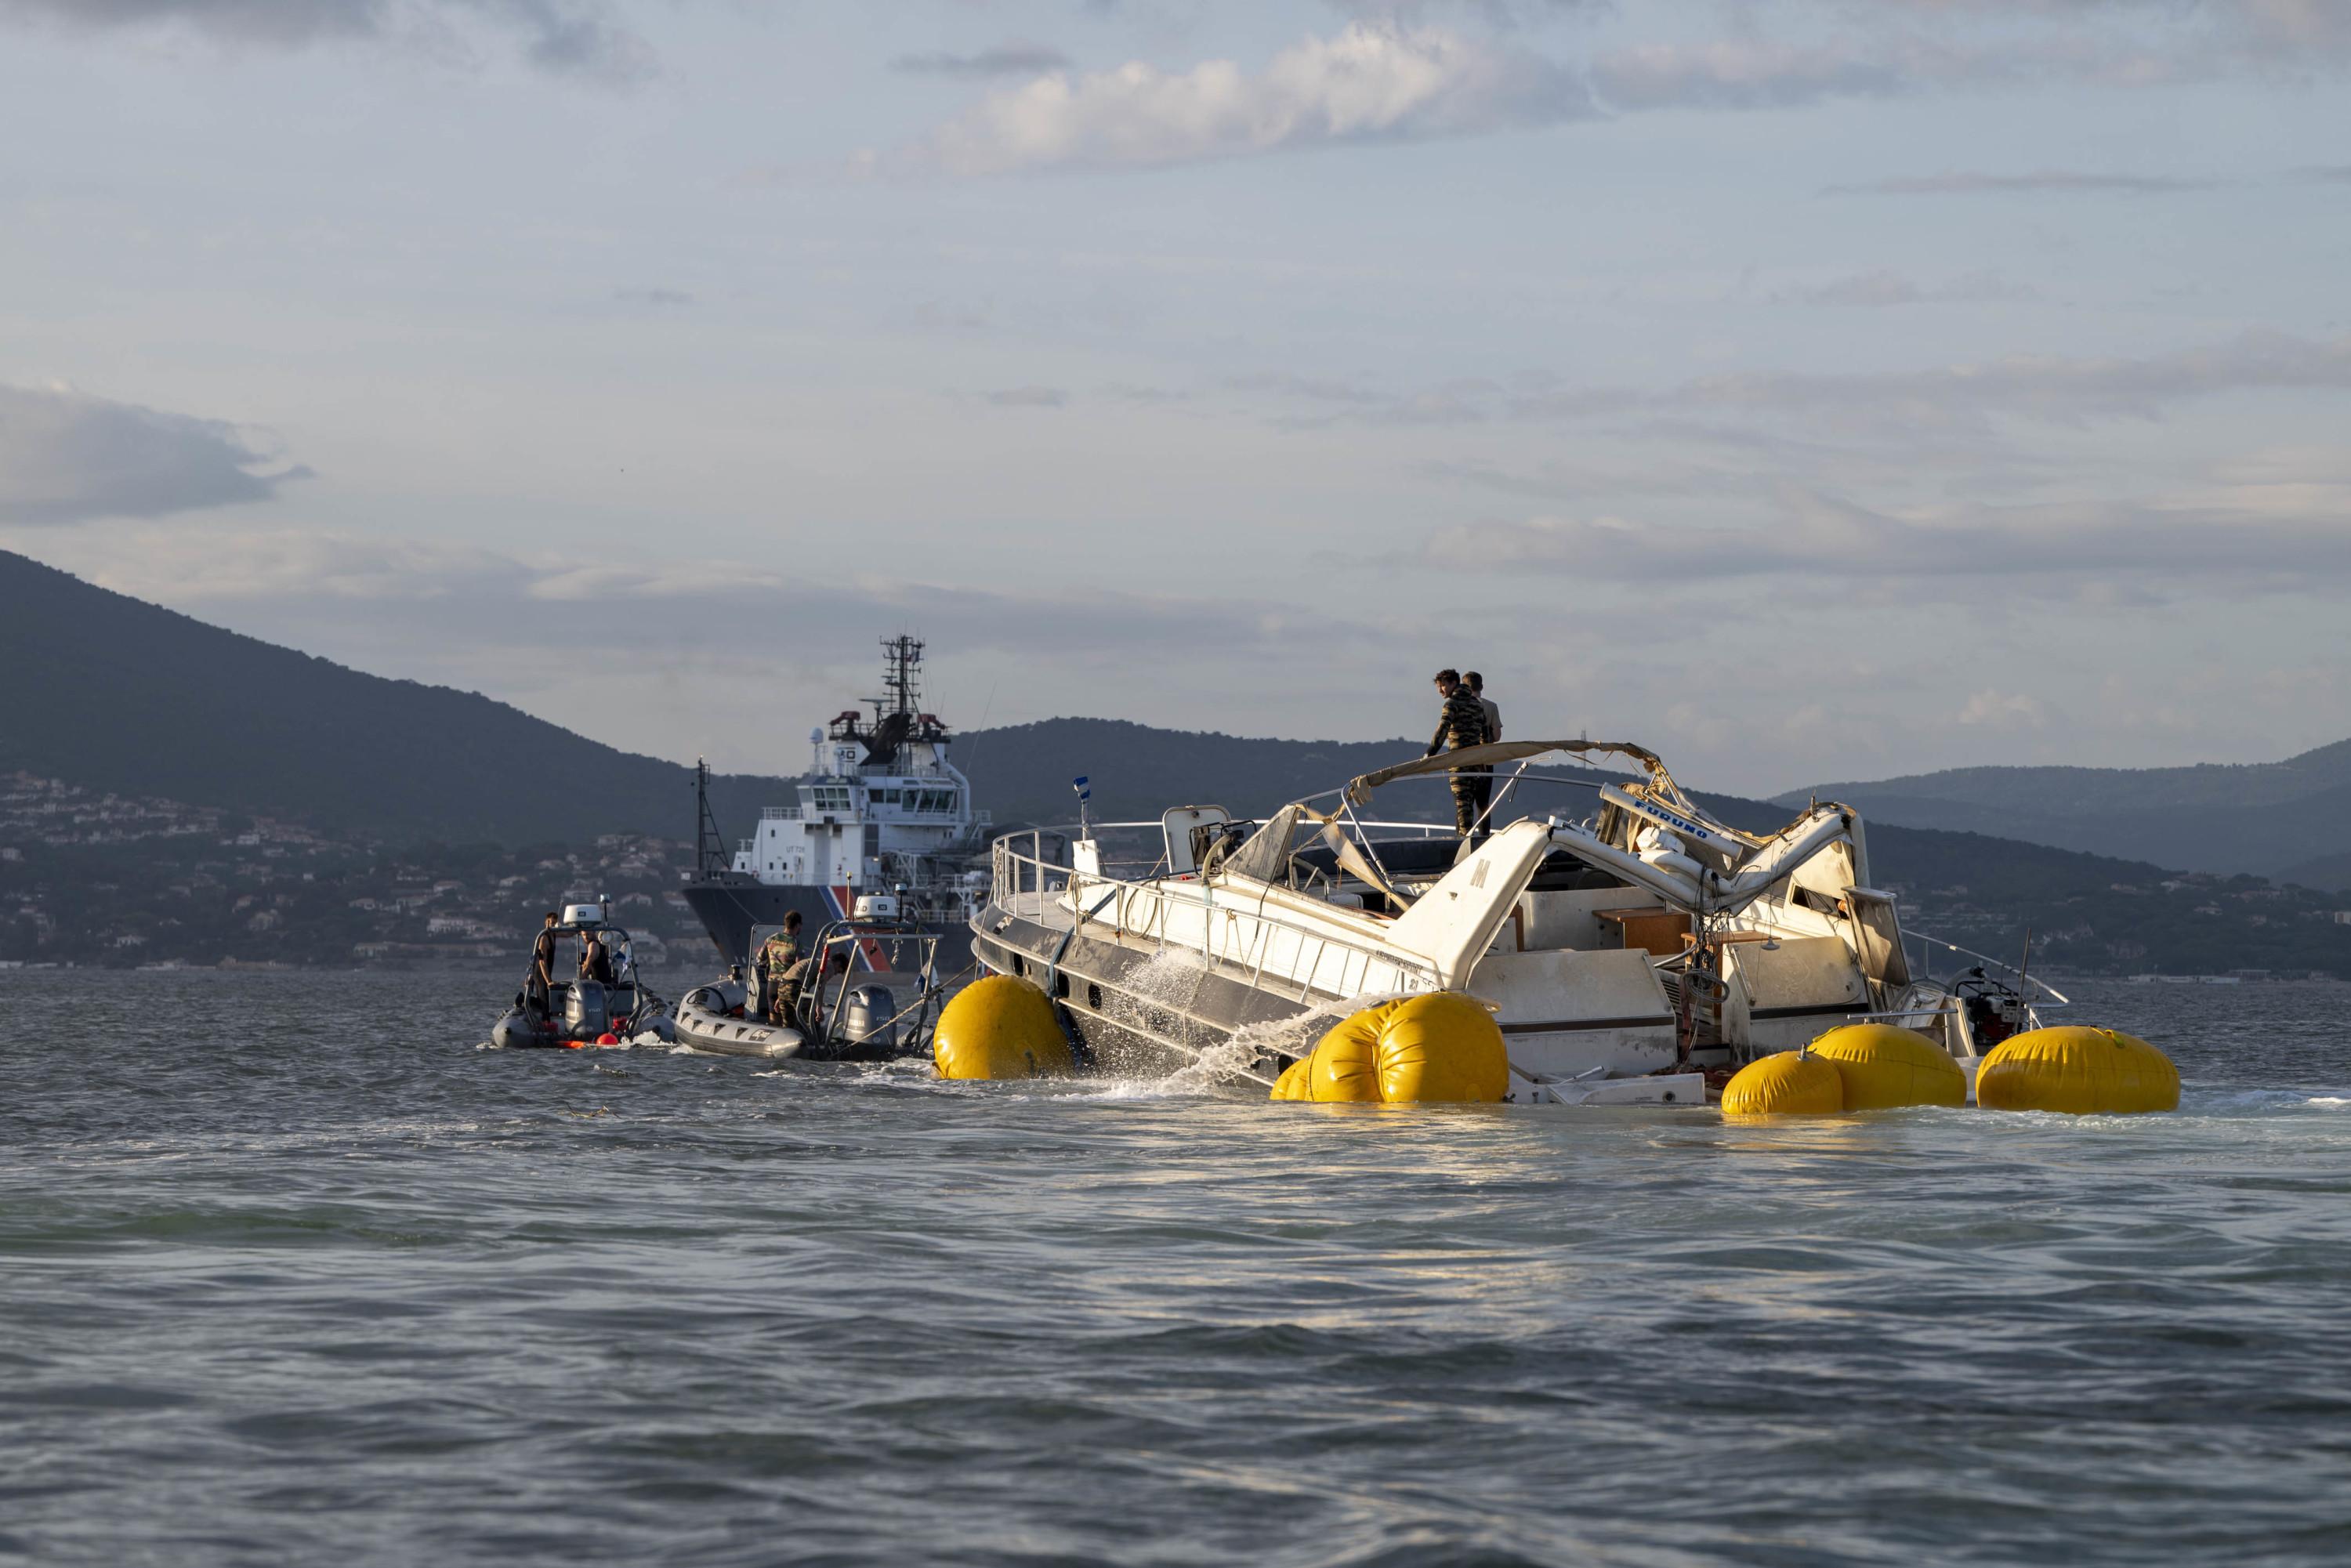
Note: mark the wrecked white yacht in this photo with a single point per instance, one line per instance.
(1628, 952)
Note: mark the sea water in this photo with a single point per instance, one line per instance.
(294, 1272)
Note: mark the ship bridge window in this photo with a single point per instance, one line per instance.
(831, 797)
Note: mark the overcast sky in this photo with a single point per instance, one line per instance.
(1809, 391)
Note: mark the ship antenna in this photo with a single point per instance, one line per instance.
(905, 655)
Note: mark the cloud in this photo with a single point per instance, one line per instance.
(571, 36)
(703, 631)
(2148, 40)
(1886, 287)
(2004, 710)
(66, 457)
(422, 592)
(1752, 73)
(1368, 82)
(2049, 388)
(1147, 396)
(1026, 397)
(282, 22)
(1876, 52)
(2135, 548)
(1464, 402)
(2040, 386)
(1500, 15)
(1391, 75)
(1003, 60)
(1311, 388)
(2061, 180)
(2300, 33)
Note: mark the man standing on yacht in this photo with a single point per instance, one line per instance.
(1462, 723)
(1476, 685)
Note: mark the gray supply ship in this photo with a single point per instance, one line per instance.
(884, 828)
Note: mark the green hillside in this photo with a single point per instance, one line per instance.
(2076, 791)
(2289, 819)
(113, 693)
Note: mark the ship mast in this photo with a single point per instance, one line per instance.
(709, 844)
(899, 677)
(897, 718)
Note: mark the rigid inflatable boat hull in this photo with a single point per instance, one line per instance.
(711, 1020)
(518, 1030)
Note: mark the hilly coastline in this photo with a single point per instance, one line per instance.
(112, 694)
(170, 790)
(2289, 819)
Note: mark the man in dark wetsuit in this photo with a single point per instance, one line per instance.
(1462, 723)
(595, 958)
(777, 955)
(1485, 776)
(539, 987)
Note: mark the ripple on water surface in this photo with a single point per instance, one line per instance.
(282, 1286)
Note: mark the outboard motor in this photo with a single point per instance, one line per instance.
(586, 1013)
(866, 1032)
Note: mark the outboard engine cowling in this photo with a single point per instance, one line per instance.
(586, 1012)
(865, 1027)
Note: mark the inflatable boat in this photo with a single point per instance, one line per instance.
(581, 1012)
(842, 1015)
(713, 1018)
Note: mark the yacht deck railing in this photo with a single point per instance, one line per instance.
(1028, 886)
(2019, 978)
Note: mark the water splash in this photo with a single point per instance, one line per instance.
(1295, 1035)
(1156, 1000)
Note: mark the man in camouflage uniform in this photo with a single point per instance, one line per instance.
(1462, 723)
(777, 955)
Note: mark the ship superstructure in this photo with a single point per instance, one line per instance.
(884, 820)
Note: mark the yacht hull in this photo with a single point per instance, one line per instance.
(1141, 1009)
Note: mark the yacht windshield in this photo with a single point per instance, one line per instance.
(1266, 855)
